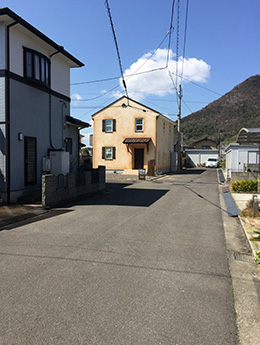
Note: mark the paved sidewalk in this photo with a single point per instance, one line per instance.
(241, 199)
(250, 225)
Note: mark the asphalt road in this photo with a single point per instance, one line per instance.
(143, 263)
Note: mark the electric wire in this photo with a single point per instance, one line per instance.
(170, 33)
(177, 40)
(185, 39)
(185, 103)
(127, 76)
(203, 87)
(116, 45)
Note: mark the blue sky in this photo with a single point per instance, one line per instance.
(222, 48)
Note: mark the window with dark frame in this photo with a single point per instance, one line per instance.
(109, 125)
(139, 124)
(30, 160)
(109, 152)
(69, 145)
(36, 66)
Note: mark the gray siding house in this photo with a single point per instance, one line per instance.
(35, 119)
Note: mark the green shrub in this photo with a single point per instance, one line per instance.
(244, 186)
(258, 257)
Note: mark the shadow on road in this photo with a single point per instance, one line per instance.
(31, 218)
(190, 171)
(117, 194)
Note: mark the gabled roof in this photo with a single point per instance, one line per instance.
(204, 138)
(7, 12)
(127, 99)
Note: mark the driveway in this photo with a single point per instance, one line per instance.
(143, 263)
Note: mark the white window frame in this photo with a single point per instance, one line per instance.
(109, 153)
(109, 126)
(139, 127)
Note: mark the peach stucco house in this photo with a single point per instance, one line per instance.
(128, 135)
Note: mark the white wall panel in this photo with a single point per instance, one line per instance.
(60, 69)
(2, 45)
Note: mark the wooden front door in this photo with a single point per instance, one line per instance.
(139, 159)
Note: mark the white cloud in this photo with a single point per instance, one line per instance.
(159, 82)
(75, 98)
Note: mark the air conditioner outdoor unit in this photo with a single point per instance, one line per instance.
(60, 162)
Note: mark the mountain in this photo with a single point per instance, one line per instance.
(236, 109)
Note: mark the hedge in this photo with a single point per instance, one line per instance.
(244, 186)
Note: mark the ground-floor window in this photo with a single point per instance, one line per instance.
(30, 160)
(69, 145)
(109, 153)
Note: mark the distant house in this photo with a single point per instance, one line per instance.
(198, 157)
(241, 158)
(128, 135)
(200, 150)
(205, 144)
(35, 121)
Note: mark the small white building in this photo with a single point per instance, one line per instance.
(239, 156)
(197, 157)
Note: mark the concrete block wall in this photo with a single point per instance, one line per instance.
(52, 196)
(238, 176)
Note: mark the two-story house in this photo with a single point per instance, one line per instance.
(34, 105)
(128, 135)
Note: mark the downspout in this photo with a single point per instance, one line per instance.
(8, 104)
(156, 147)
(50, 107)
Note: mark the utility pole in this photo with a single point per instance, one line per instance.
(179, 129)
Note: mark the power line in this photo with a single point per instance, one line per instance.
(185, 103)
(177, 39)
(116, 45)
(203, 87)
(130, 75)
(170, 33)
(185, 38)
(113, 78)
(127, 76)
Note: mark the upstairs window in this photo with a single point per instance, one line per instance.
(36, 66)
(108, 126)
(139, 125)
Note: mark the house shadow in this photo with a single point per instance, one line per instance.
(30, 218)
(189, 171)
(121, 194)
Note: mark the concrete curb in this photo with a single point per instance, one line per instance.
(247, 236)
